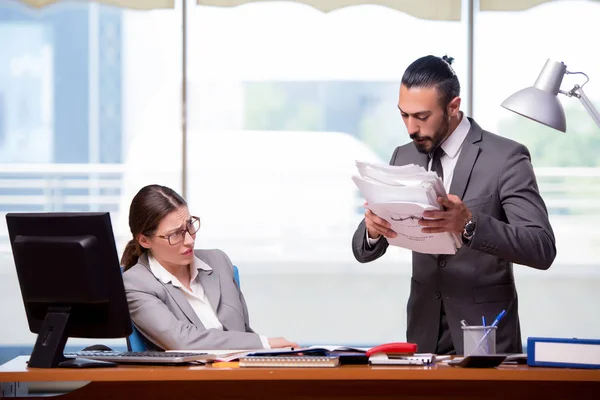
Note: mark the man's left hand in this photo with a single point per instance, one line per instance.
(452, 219)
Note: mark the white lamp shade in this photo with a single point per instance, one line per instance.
(539, 102)
(538, 105)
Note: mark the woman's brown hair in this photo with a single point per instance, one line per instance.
(149, 206)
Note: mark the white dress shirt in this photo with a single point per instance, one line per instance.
(196, 297)
(452, 147)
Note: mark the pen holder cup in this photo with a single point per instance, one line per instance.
(479, 340)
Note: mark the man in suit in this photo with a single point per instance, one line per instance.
(493, 203)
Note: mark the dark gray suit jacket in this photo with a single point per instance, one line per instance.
(167, 320)
(495, 179)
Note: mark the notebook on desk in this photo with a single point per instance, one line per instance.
(226, 355)
(293, 361)
(344, 355)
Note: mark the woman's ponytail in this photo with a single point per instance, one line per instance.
(132, 252)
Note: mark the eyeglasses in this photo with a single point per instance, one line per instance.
(177, 237)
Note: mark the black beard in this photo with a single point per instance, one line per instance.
(440, 135)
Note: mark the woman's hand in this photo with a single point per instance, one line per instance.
(280, 342)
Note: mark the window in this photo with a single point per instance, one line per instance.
(283, 100)
(84, 91)
(560, 301)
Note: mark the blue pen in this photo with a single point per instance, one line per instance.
(483, 320)
(498, 318)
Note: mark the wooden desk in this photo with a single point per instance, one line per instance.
(350, 382)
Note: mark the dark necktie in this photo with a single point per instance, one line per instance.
(436, 164)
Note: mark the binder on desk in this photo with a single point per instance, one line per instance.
(563, 353)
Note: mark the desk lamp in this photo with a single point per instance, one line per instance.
(540, 103)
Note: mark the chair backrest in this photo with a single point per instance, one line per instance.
(135, 341)
(236, 275)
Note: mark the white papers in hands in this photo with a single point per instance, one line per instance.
(400, 195)
(404, 219)
(377, 192)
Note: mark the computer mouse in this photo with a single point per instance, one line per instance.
(98, 347)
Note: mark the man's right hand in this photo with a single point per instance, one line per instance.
(377, 227)
(280, 342)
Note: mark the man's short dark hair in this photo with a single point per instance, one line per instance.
(432, 71)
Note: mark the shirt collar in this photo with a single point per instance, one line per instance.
(452, 145)
(165, 276)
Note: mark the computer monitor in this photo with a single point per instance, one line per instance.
(71, 283)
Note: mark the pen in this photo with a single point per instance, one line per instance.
(484, 326)
(495, 323)
(498, 318)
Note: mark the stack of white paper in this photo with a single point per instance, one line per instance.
(400, 194)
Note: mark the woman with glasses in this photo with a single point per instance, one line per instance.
(181, 298)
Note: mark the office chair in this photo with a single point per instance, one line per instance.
(135, 341)
(236, 275)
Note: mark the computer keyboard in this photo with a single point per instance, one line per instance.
(141, 357)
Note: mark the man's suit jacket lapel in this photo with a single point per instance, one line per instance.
(466, 160)
(413, 157)
(423, 160)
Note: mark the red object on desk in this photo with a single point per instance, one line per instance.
(393, 348)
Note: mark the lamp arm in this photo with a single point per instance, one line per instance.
(578, 92)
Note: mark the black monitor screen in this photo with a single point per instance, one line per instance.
(70, 279)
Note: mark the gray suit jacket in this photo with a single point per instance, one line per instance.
(495, 179)
(166, 319)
